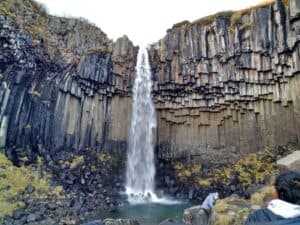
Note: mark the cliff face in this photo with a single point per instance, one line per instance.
(229, 82)
(64, 84)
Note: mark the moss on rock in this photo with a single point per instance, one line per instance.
(234, 210)
(14, 181)
(241, 175)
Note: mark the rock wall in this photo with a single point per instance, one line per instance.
(64, 84)
(229, 83)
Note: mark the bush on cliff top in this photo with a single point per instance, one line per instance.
(14, 181)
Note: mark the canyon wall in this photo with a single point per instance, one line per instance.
(64, 84)
(229, 83)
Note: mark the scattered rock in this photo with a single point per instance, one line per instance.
(30, 189)
(120, 222)
(171, 222)
(32, 217)
(291, 161)
(18, 213)
(195, 215)
(96, 222)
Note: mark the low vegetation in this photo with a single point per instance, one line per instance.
(233, 210)
(15, 182)
(29, 15)
(254, 168)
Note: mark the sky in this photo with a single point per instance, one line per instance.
(143, 21)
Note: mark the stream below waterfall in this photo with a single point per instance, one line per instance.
(148, 214)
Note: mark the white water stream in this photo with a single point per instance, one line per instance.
(140, 173)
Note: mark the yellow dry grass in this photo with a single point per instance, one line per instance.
(13, 182)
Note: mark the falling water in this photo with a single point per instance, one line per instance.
(140, 159)
(140, 173)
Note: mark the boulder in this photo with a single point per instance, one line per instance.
(171, 222)
(231, 211)
(120, 222)
(195, 215)
(291, 161)
(95, 222)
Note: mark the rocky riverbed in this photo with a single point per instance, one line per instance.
(88, 185)
(60, 191)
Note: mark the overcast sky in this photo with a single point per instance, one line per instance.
(143, 21)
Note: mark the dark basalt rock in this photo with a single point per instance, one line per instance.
(65, 92)
(97, 222)
(171, 222)
(228, 84)
(120, 222)
(65, 102)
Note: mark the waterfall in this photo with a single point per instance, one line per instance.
(140, 172)
(140, 157)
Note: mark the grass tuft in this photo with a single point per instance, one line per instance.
(13, 183)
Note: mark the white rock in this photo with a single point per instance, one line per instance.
(291, 161)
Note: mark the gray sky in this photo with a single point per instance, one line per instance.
(143, 21)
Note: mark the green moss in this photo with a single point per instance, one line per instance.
(77, 161)
(250, 169)
(191, 173)
(30, 16)
(111, 160)
(231, 211)
(8, 207)
(13, 182)
(234, 211)
(102, 50)
(221, 206)
(263, 195)
(182, 172)
(35, 93)
(255, 167)
(225, 220)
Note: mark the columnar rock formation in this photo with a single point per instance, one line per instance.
(229, 82)
(64, 84)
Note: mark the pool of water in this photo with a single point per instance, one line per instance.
(149, 214)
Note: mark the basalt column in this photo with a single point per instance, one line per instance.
(229, 83)
(64, 84)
